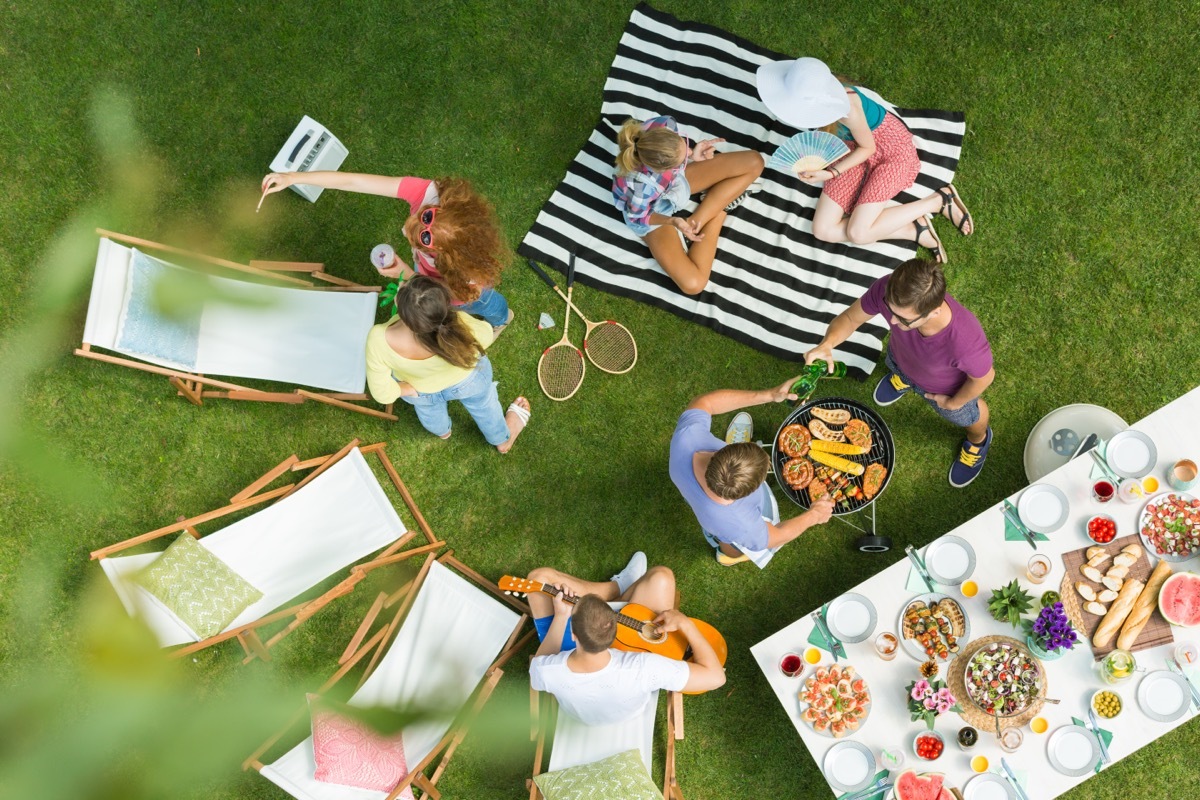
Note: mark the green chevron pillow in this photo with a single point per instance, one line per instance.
(623, 775)
(197, 587)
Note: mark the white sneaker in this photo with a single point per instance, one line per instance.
(632, 573)
(741, 429)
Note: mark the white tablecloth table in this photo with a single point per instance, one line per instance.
(1175, 429)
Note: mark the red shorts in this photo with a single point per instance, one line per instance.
(889, 171)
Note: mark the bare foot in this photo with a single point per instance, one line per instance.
(517, 418)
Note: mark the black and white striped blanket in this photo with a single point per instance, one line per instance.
(773, 286)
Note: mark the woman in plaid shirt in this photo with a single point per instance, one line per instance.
(657, 171)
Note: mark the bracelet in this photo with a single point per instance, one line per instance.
(836, 172)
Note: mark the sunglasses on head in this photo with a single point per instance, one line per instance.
(425, 237)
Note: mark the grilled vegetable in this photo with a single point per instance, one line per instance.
(837, 447)
(837, 462)
(822, 431)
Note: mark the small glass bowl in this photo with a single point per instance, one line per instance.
(1120, 704)
(932, 735)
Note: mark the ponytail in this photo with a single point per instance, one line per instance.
(658, 149)
(423, 305)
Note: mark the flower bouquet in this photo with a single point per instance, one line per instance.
(928, 699)
(1050, 633)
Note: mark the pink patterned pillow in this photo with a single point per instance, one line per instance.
(350, 753)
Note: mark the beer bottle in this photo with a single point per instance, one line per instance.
(804, 387)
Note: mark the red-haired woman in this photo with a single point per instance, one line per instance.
(452, 230)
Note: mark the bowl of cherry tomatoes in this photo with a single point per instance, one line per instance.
(1101, 528)
(928, 745)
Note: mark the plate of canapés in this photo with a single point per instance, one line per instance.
(1003, 679)
(932, 626)
(835, 700)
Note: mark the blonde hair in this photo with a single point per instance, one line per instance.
(736, 470)
(658, 148)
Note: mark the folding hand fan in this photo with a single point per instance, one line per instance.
(808, 151)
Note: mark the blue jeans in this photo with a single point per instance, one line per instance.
(491, 305)
(477, 392)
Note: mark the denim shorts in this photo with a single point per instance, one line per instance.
(964, 417)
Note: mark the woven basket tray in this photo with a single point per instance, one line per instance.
(972, 713)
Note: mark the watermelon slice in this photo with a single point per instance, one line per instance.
(928, 786)
(1179, 599)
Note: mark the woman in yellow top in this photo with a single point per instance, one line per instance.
(429, 354)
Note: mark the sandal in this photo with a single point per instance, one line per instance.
(522, 415)
(499, 329)
(951, 202)
(937, 251)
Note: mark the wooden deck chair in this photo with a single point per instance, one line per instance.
(576, 743)
(289, 331)
(458, 632)
(332, 520)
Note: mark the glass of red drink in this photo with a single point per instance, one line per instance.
(1103, 490)
(791, 664)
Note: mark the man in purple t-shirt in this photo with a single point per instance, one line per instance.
(725, 484)
(937, 348)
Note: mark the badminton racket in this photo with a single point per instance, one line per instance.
(561, 367)
(609, 345)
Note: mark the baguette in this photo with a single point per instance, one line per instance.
(1117, 613)
(1147, 601)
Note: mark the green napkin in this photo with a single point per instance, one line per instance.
(1013, 534)
(877, 794)
(1098, 471)
(917, 586)
(816, 639)
(1105, 736)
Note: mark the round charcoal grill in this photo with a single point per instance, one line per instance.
(883, 452)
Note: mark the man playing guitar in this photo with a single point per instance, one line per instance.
(593, 682)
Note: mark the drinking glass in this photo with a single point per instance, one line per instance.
(1011, 739)
(886, 645)
(1038, 568)
(1103, 490)
(791, 664)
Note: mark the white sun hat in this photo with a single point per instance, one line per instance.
(802, 93)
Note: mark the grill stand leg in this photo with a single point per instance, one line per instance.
(869, 542)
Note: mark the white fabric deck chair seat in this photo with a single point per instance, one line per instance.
(296, 336)
(445, 645)
(576, 743)
(284, 550)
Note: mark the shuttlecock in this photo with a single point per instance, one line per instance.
(545, 321)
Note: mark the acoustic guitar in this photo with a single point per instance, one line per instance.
(636, 631)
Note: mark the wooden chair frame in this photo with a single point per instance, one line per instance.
(377, 644)
(544, 711)
(196, 387)
(257, 493)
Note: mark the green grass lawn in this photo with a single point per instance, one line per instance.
(1079, 165)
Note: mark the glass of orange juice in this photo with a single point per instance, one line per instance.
(1039, 725)
(812, 655)
(970, 588)
(979, 764)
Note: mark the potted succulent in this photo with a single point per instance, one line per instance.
(1009, 604)
(1050, 634)
(928, 699)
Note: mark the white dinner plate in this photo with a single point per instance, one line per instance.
(1043, 508)
(1164, 696)
(851, 618)
(1131, 454)
(950, 560)
(849, 766)
(988, 786)
(1073, 750)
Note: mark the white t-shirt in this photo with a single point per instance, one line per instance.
(616, 693)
